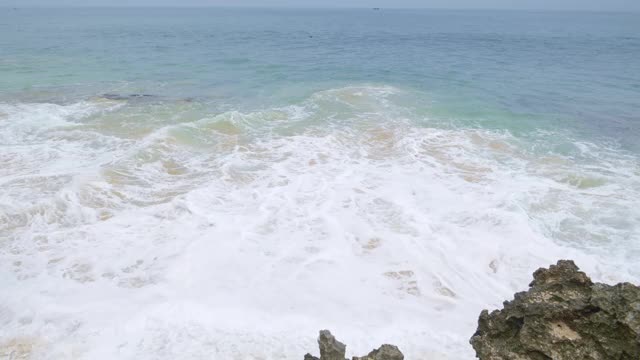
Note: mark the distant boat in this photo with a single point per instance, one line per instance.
(376, 8)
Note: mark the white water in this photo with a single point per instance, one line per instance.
(154, 235)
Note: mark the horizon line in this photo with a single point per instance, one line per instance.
(283, 7)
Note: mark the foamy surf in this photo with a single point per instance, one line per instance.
(238, 235)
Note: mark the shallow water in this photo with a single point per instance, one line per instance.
(386, 175)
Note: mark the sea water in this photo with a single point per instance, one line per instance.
(223, 183)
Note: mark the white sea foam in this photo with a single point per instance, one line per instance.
(240, 235)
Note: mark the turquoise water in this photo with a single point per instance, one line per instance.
(222, 183)
(578, 70)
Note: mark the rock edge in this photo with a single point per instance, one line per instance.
(564, 315)
(332, 349)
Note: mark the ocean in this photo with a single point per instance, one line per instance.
(212, 183)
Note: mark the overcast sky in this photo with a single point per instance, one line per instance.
(605, 5)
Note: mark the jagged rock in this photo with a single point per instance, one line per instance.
(385, 352)
(330, 348)
(563, 316)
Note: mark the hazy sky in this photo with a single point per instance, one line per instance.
(451, 4)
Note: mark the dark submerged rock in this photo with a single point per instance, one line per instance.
(563, 315)
(110, 96)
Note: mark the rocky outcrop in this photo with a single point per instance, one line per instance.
(563, 316)
(332, 349)
(385, 352)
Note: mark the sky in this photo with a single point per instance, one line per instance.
(591, 5)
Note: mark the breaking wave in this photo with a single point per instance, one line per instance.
(165, 230)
